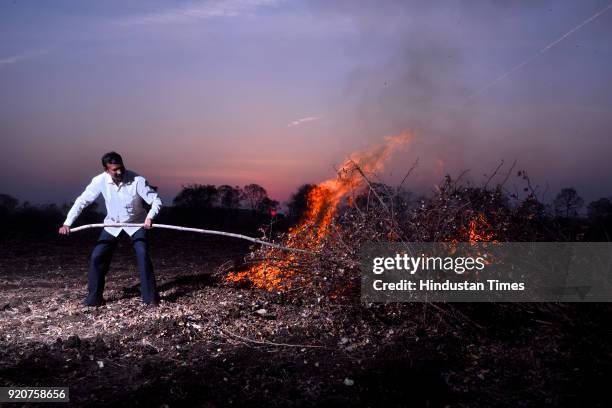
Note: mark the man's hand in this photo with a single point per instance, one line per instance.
(148, 224)
(64, 230)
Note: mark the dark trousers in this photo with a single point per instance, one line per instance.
(101, 257)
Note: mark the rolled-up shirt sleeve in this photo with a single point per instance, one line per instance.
(149, 194)
(92, 191)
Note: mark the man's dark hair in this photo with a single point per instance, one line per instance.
(111, 158)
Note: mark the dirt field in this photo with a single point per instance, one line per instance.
(212, 344)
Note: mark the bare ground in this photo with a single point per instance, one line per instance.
(212, 344)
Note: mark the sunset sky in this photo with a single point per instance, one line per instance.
(279, 92)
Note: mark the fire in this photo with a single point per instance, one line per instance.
(323, 200)
(479, 230)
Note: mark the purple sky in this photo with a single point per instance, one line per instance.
(278, 92)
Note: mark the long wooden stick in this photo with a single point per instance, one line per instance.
(201, 231)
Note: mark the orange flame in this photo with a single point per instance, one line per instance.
(479, 230)
(322, 202)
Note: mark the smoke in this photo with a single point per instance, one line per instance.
(409, 73)
(417, 64)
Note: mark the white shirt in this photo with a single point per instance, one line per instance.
(124, 202)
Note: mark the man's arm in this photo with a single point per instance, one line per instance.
(149, 194)
(92, 191)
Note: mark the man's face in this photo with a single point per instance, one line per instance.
(116, 171)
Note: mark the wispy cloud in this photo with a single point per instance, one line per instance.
(199, 11)
(9, 60)
(298, 122)
(22, 56)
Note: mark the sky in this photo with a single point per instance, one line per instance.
(279, 92)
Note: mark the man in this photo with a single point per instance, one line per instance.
(124, 192)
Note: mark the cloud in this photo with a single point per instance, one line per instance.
(9, 60)
(22, 56)
(199, 11)
(303, 120)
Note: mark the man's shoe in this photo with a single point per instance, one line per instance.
(152, 305)
(101, 302)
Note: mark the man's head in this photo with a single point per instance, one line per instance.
(113, 165)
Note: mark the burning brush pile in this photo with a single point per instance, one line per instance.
(347, 211)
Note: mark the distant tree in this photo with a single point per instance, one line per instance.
(600, 209)
(567, 203)
(229, 197)
(196, 196)
(531, 208)
(298, 203)
(267, 205)
(8, 204)
(91, 211)
(51, 212)
(254, 195)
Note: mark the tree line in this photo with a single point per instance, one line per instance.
(247, 208)
(199, 205)
(252, 196)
